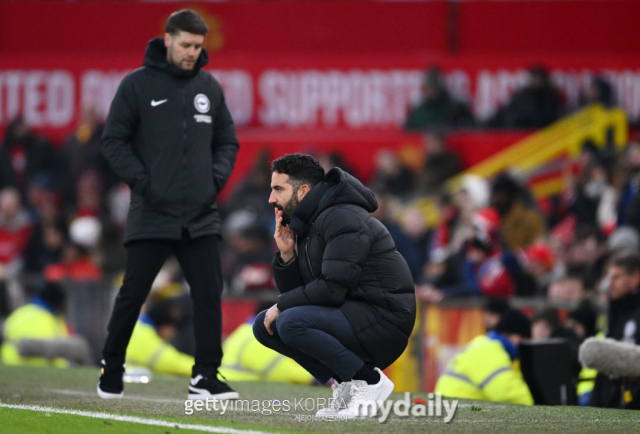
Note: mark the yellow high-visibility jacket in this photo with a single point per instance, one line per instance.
(31, 321)
(246, 359)
(147, 349)
(484, 371)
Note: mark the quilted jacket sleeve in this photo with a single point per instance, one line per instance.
(347, 242)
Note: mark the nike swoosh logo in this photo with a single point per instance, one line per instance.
(156, 103)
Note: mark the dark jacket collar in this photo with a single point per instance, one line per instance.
(156, 57)
(626, 303)
(338, 187)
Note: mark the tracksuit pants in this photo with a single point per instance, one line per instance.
(319, 338)
(199, 259)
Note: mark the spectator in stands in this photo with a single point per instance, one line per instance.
(623, 273)
(485, 370)
(484, 269)
(249, 193)
(587, 254)
(440, 165)
(600, 91)
(629, 202)
(45, 246)
(50, 229)
(538, 262)
(77, 263)
(247, 244)
(391, 176)
(43, 199)
(246, 359)
(23, 155)
(587, 195)
(582, 321)
(568, 287)
(521, 223)
(16, 228)
(453, 230)
(405, 245)
(81, 153)
(89, 195)
(328, 160)
(536, 105)
(437, 107)
(493, 310)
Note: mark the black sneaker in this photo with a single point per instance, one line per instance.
(210, 387)
(110, 385)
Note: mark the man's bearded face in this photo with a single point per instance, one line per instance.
(288, 208)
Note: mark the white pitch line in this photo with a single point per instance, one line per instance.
(132, 419)
(130, 397)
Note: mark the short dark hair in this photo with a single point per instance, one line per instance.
(514, 322)
(186, 20)
(301, 168)
(628, 261)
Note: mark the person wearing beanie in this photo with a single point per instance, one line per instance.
(488, 368)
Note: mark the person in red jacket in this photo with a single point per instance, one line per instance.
(483, 267)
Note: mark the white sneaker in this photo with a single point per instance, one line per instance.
(339, 400)
(366, 398)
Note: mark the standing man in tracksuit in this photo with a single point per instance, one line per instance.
(183, 147)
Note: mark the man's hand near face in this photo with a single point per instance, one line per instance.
(285, 238)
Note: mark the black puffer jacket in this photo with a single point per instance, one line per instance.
(183, 147)
(347, 259)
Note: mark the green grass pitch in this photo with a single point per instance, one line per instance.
(161, 402)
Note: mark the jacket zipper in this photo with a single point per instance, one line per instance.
(184, 154)
(306, 249)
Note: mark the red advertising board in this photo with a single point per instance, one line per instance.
(330, 26)
(358, 92)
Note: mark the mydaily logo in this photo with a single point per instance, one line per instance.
(433, 406)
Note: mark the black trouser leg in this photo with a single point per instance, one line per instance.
(200, 262)
(144, 261)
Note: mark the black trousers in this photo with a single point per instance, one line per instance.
(199, 259)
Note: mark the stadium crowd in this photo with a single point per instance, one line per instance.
(62, 217)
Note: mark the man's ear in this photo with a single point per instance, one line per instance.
(302, 191)
(167, 39)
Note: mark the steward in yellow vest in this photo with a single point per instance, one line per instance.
(147, 349)
(246, 359)
(41, 318)
(487, 369)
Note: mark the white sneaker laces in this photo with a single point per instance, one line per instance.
(358, 392)
(338, 391)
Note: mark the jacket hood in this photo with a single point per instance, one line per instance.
(338, 188)
(156, 57)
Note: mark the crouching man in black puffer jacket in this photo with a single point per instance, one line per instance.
(347, 303)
